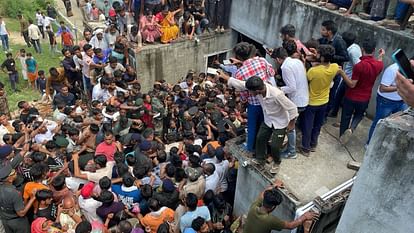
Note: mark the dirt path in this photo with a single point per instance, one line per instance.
(76, 19)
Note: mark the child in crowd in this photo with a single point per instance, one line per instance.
(41, 82)
(32, 68)
(52, 40)
(21, 56)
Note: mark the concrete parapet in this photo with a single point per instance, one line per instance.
(171, 62)
(382, 198)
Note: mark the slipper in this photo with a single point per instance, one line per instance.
(393, 26)
(342, 10)
(321, 3)
(364, 16)
(331, 7)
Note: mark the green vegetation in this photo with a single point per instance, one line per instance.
(11, 8)
(45, 61)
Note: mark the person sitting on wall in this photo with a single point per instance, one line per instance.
(187, 25)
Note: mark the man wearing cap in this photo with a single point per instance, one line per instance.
(13, 211)
(98, 40)
(196, 183)
(87, 204)
(279, 117)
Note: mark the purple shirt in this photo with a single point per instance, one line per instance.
(106, 209)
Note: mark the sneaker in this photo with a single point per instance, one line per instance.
(313, 149)
(304, 152)
(275, 167)
(346, 136)
(288, 155)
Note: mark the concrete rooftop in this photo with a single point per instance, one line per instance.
(306, 178)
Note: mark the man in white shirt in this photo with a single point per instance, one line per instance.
(296, 88)
(222, 168)
(113, 66)
(100, 90)
(39, 21)
(47, 21)
(35, 35)
(46, 131)
(279, 116)
(212, 178)
(388, 99)
(4, 35)
(96, 168)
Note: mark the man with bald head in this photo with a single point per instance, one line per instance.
(68, 213)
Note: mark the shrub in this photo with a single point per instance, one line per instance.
(11, 8)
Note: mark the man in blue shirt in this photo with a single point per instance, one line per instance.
(128, 193)
(193, 212)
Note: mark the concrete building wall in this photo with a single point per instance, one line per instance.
(381, 200)
(249, 186)
(261, 20)
(172, 61)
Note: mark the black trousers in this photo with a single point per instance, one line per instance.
(17, 225)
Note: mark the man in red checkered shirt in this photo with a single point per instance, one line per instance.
(251, 65)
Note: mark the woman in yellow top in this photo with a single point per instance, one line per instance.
(169, 28)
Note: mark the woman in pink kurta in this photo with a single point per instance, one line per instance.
(150, 30)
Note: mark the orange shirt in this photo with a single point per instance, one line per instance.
(214, 144)
(155, 219)
(28, 190)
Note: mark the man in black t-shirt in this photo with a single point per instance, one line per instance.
(13, 211)
(9, 67)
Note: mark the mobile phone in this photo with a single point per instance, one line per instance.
(404, 64)
(227, 62)
(302, 51)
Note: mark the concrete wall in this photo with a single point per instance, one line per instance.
(382, 200)
(261, 20)
(247, 178)
(172, 62)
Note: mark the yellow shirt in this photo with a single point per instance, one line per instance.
(320, 78)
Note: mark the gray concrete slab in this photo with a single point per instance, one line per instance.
(308, 177)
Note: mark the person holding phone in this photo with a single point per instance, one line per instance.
(388, 99)
(359, 88)
(405, 88)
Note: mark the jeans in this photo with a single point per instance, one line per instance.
(332, 93)
(203, 24)
(36, 45)
(5, 42)
(339, 97)
(254, 120)
(312, 121)
(291, 147)
(211, 11)
(354, 110)
(53, 48)
(14, 79)
(385, 107)
(263, 136)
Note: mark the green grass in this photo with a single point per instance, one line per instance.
(12, 24)
(45, 61)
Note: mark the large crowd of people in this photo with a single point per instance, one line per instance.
(111, 158)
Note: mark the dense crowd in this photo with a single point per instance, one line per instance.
(114, 159)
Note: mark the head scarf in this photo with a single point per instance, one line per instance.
(37, 225)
